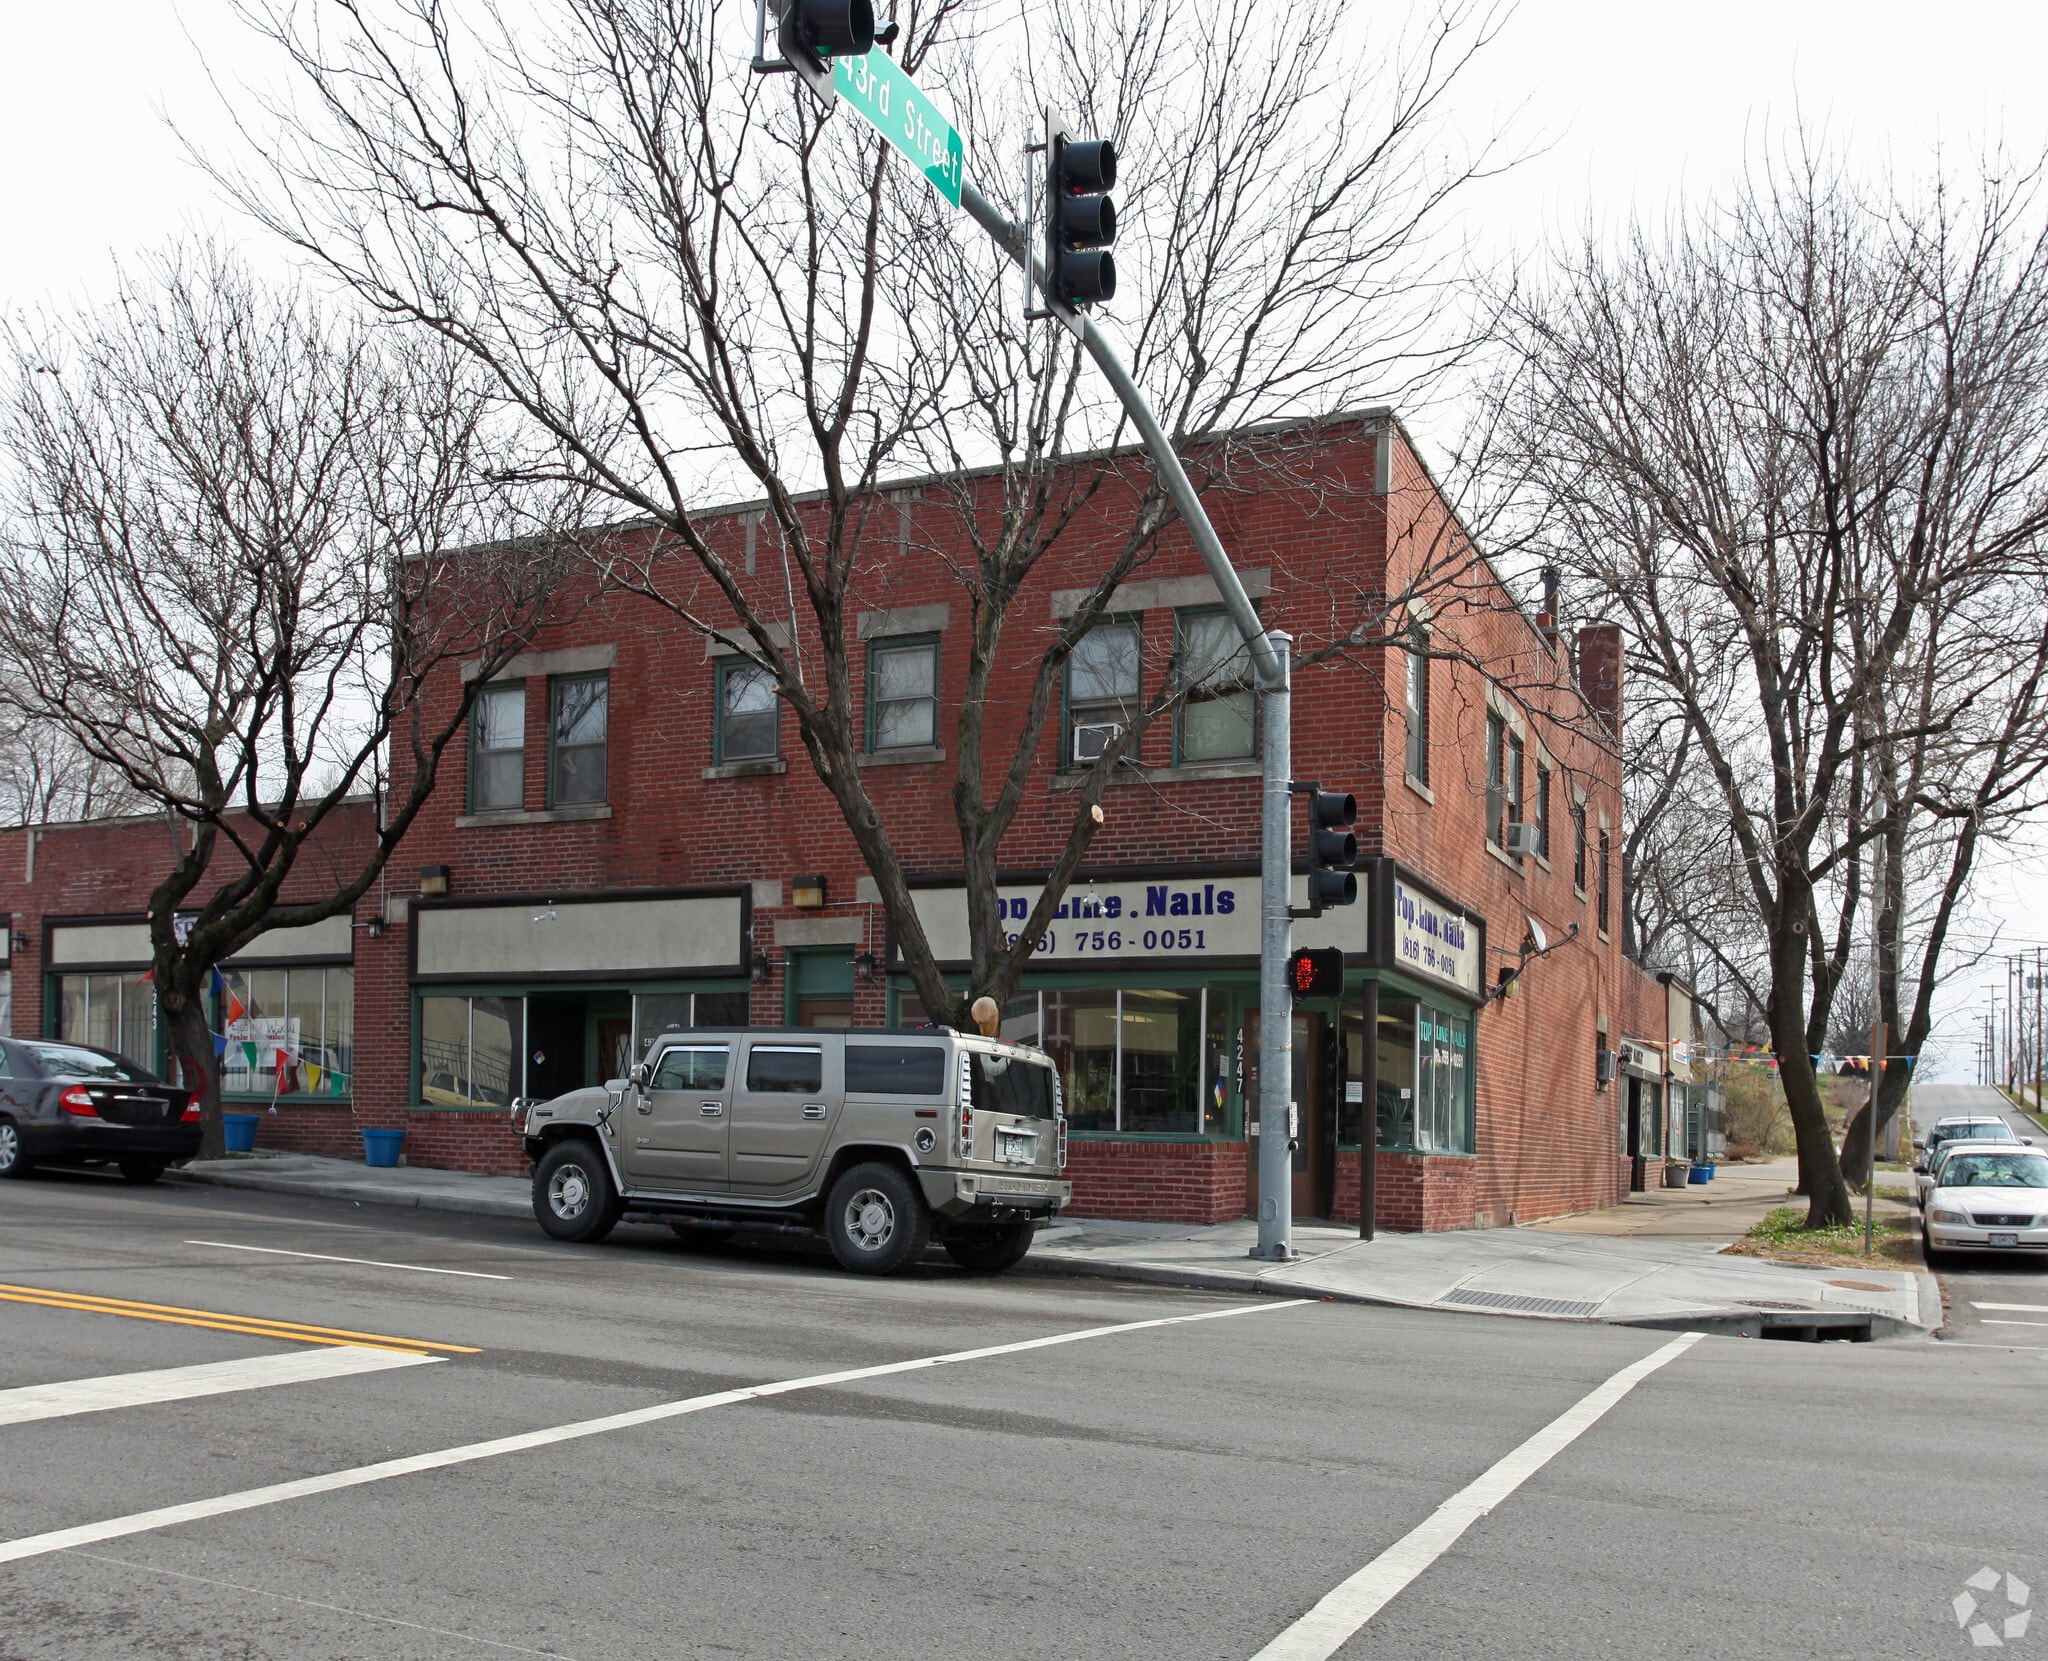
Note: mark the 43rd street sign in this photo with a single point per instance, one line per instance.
(889, 100)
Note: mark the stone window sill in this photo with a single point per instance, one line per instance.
(908, 756)
(1196, 774)
(1421, 789)
(765, 768)
(545, 816)
(1506, 859)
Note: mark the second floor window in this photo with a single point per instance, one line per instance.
(1579, 846)
(1102, 691)
(1605, 884)
(1218, 720)
(497, 749)
(748, 713)
(903, 695)
(576, 771)
(1503, 780)
(1418, 708)
(1543, 810)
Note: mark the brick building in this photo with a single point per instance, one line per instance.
(638, 841)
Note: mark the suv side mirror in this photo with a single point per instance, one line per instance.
(638, 1076)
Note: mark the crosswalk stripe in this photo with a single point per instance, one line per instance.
(212, 1378)
(255, 1326)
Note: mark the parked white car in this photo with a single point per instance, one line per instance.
(1989, 1199)
(1925, 1182)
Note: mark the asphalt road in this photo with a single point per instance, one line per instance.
(1176, 1490)
(1986, 1298)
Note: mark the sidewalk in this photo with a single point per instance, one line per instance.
(1553, 1271)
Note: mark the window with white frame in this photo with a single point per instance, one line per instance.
(497, 749)
(749, 713)
(903, 694)
(1219, 710)
(1103, 681)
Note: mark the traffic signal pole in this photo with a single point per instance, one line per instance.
(1269, 651)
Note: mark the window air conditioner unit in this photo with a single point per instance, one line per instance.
(1604, 1067)
(1524, 840)
(1092, 739)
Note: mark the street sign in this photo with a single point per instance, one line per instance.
(890, 102)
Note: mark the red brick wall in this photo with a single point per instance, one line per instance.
(1158, 1182)
(1417, 1193)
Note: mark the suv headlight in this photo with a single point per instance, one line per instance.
(1941, 1216)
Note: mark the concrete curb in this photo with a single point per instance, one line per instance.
(362, 1193)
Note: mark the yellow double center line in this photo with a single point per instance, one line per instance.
(252, 1326)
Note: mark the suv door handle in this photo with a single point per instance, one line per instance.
(711, 1110)
(814, 1110)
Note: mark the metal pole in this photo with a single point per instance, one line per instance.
(1369, 1130)
(1271, 669)
(1877, 1044)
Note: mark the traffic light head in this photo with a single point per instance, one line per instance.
(812, 33)
(1332, 849)
(1316, 973)
(1080, 219)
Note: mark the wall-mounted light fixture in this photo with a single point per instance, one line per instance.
(433, 881)
(20, 941)
(760, 969)
(807, 892)
(374, 927)
(865, 965)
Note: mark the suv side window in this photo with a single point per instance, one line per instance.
(786, 1069)
(895, 1069)
(683, 1068)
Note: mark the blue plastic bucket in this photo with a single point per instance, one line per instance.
(1701, 1174)
(380, 1147)
(241, 1130)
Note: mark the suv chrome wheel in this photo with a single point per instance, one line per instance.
(568, 1193)
(870, 1220)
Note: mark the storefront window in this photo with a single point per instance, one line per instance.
(1351, 1109)
(1160, 1062)
(1080, 1036)
(288, 1031)
(1219, 1107)
(1425, 1079)
(469, 1051)
(656, 1012)
(110, 1012)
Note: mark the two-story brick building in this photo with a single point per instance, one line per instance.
(637, 841)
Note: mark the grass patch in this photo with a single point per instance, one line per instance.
(1783, 1235)
(1891, 1191)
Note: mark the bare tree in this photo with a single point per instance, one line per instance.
(696, 285)
(1783, 441)
(45, 777)
(228, 578)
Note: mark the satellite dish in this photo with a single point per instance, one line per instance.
(1538, 939)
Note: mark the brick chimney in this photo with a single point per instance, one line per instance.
(1600, 670)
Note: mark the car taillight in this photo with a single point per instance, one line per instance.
(966, 1107)
(190, 1116)
(77, 1101)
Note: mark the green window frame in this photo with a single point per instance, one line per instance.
(1416, 704)
(728, 669)
(497, 748)
(1092, 689)
(1214, 670)
(893, 701)
(579, 740)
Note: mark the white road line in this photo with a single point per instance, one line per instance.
(2013, 1323)
(143, 1522)
(367, 1262)
(1327, 1627)
(213, 1378)
(2021, 1308)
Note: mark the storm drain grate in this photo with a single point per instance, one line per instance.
(1520, 1304)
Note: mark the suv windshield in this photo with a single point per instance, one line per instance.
(1996, 1170)
(1011, 1084)
(68, 1061)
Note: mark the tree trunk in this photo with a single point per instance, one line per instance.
(198, 1066)
(1820, 1173)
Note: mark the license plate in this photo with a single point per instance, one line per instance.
(2004, 1240)
(1016, 1147)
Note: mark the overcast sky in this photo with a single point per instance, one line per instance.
(1630, 108)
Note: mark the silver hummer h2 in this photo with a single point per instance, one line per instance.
(879, 1140)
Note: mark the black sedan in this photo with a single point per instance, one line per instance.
(75, 1105)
